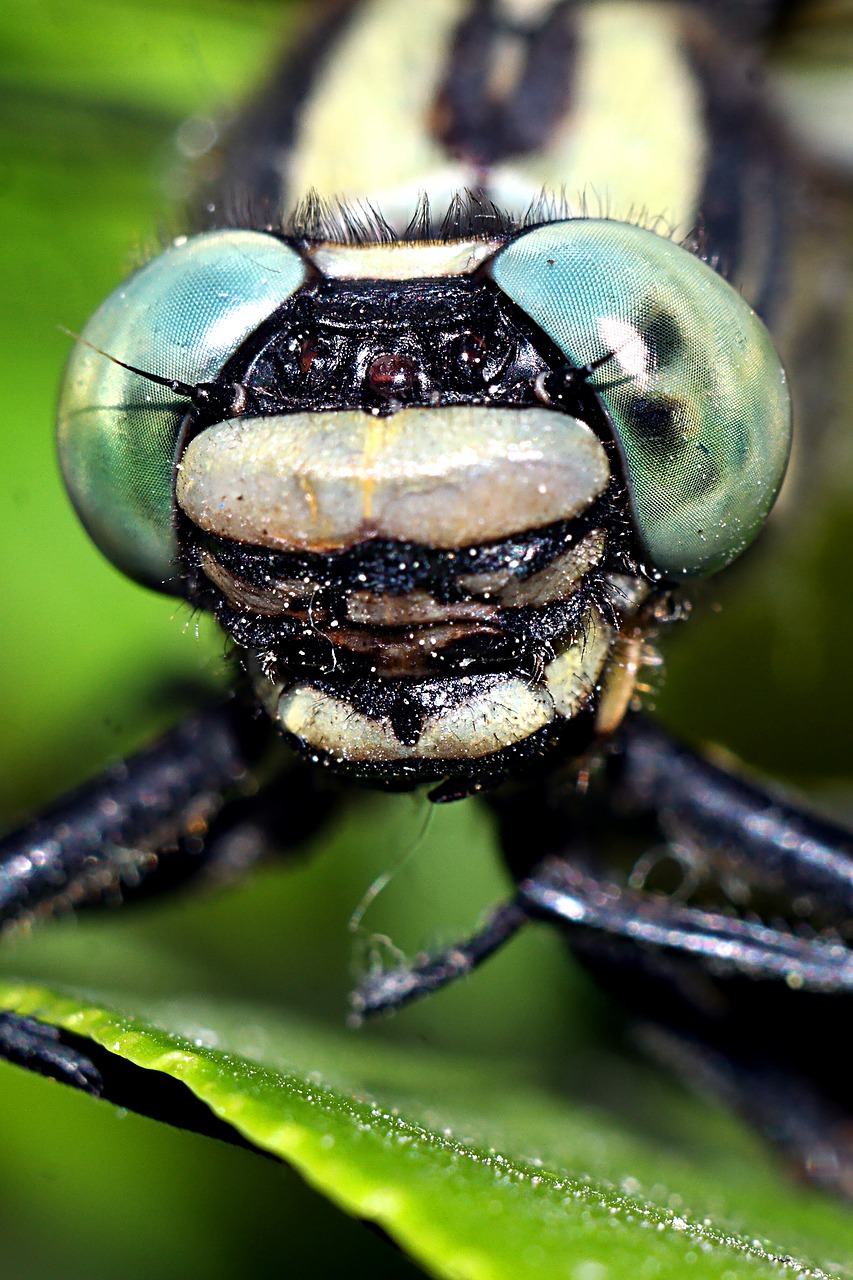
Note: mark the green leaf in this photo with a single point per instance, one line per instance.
(478, 1172)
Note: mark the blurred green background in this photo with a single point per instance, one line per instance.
(92, 94)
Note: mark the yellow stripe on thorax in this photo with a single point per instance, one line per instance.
(364, 128)
(633, 140)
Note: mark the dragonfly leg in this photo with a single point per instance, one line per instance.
(739, 976)
(184, 807)
(41, 1048)
(743, 825)
(555, 837)
(752, 1012)
(390, 989)
(110, 834)
(83, 1064)
(191, 803)
(559, 892)
(810, 1128)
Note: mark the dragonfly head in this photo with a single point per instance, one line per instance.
(428, 488)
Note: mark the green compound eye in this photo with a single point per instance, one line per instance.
(181, 317)
(694, 388)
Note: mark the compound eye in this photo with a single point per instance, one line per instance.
(180, 317)
(694, 388)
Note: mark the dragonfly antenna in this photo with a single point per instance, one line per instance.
(197, 392)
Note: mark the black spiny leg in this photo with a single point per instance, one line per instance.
(773, 1050)
(557, 842)
(392, 989)
(40, 1048)
(740, 975)
(174, 810)
(109, 833)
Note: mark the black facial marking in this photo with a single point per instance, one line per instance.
(407, 714)
(396, 568)
(375, 345)
(304, 636)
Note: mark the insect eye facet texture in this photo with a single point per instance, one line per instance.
(694, 387)
(180, 317)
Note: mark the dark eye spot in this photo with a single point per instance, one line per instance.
(664, 338)
(469, 351)
(472, 350)
(661, 430)
(654, 425)
(467, 357)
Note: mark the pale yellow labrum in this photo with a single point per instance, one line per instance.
(402, 261)
(452, 476)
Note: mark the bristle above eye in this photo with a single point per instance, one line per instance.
(469, 215)
(317, 218)
(360, 222)
(335, 221)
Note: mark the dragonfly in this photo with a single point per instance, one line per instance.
(443, 586)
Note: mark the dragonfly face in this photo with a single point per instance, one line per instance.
(437, 451)
(428, 488)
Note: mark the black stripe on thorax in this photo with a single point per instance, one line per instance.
(747, 18)
(482, 121)
(477, 121)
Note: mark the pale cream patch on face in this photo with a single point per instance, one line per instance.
(524, 11)
(402, 261)
(447, 478)
(487, 722)
(415, 608)
(572, 676)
